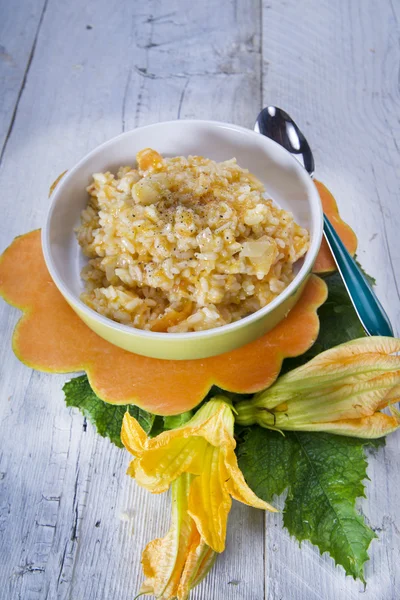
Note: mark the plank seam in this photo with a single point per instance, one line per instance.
(125, 98)
(264, 555)
(385, 233)
(182, 97)
(24, 80)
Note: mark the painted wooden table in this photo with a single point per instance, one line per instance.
(73, 74)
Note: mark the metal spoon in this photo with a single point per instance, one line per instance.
(280, 127)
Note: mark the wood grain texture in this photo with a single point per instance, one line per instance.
(72, 525)
(334, 67)
(19, 30)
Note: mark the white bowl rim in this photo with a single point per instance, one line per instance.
(206, 333)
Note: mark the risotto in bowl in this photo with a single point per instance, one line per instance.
(183, 240)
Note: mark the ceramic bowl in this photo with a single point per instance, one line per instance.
(285, 180)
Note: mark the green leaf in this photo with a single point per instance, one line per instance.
(339, 322)
(107, 418)
(323, 475)
(158, 426)
(175, 421)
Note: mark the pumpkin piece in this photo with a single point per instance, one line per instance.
(325, 262)
(55, 183)
(172, 317)
(51, 337)
(148, 158)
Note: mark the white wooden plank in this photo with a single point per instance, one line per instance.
(19, 29)
(72, 101)
(333, 66)
(199, 62)
(64, 490)
(138, 65)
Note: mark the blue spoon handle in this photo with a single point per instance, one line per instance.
(370, 311)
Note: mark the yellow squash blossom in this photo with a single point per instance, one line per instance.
(175, 564)
(340, 391)
(204, 447)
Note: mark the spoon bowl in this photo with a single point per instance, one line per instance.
(276, 124)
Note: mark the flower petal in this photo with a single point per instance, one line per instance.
(200, 558)
(171, 564)
(209, 501)
(238, 488)
(203, 447)
(365, 345)
(214, 421)
(159, 467)
(166, 456)
(354, 357)
(341, 402)
(158, 562)
(391, 397)
(374, 426)
(208, 558)
(133, 436)
(346, 384)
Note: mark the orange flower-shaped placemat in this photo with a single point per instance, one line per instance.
(51, 337)
(325, 262)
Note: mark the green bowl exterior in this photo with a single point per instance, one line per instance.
(287, 183)
(170, 348)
